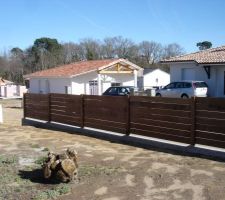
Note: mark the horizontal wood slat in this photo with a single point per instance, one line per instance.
(103, 127)
(160, 135)
(160, 129)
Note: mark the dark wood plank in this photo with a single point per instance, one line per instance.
(136, 113)
(160, 129)
(160, 135)
(157, 100)
(210, 135)
(103, 127)
(65, 113)
(210, 121)
(178, 126)
(206, 127)
(106, 123)
(66, 120)
(210, 114)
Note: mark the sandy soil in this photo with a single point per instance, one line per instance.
(108, 171)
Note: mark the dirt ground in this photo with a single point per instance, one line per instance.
(107, 170)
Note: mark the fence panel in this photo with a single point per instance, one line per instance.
(210, 121)
(106, 112)
(36, 106)
(199, 120)
(164, 118)
(67, 109)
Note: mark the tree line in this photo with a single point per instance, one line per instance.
(46, 53)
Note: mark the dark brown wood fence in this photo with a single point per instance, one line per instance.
(191, 121)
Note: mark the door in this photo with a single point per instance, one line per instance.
(93, 87)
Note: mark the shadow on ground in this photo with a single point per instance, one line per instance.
(36, 176)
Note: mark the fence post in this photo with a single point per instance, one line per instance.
(49, 108)
(128, 116)
(82, 111)
(24, 105)
(193, 120)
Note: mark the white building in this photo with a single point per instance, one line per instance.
(85, 77)
(155, 78)
(9, 89)
(206, 65)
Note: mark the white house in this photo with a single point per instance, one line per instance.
(9, 89)
(155, 78)
(206, 65)
(85, 77)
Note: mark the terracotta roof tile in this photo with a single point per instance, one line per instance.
(73, 68)
(208, 56)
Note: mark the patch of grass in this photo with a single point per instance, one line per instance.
(35, 146)
(87, 170)
(40, 160)
(53, 193)
(8, 160)
(46, 149)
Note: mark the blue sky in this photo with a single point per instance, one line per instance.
(185, 22)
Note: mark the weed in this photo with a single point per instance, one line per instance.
(9, 160)
(46, 149)
(35, 146)
(53, 193)
(40, 160)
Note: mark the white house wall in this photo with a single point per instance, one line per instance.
(56, 85)
(150, 79)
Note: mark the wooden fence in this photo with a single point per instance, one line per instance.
(191, 121)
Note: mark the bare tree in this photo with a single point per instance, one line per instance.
(150, 51)
(91, 48)
(173, 49)
(72, 52)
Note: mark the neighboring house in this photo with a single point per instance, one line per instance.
(155, 78)
(206, 65)
(9, 89)
(85, 77)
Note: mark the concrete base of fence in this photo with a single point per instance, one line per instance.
(134, 140)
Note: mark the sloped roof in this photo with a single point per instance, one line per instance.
(208, 56)
(77, 68)
(4, 81)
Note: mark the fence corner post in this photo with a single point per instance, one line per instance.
(193, 120)
(49, 108)
(128, 116)
(24, 106)
(82, 111)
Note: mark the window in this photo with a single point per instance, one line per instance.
(200, 84)
(123, 91)
(113, 90)
(179, 85)
(170, 86)
(187, 85)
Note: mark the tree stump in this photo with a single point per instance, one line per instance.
(62, 167)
